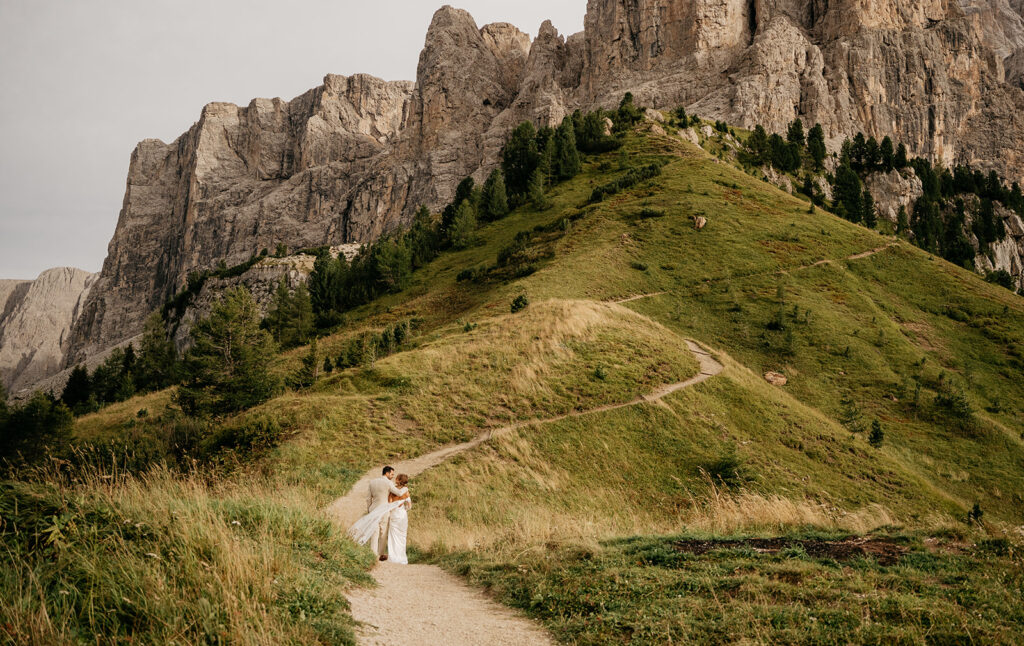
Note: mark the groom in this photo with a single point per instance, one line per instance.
(377, 496)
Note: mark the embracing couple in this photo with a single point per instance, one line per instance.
(386, 523)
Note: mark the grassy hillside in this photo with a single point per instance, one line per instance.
(856, 321)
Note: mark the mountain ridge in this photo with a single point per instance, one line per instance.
(352, 159)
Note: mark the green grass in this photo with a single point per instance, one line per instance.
(166, 559)
(663, 591)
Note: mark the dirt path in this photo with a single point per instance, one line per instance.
(422, 604)
(777, 272)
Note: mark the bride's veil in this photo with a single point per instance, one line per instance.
(364, 528)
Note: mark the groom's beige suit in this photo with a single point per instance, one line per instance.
(377, 496)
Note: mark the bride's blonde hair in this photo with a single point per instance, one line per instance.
(401, 480)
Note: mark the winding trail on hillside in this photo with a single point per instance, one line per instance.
(776, 272)
(423, 604)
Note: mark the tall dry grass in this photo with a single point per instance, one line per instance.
(169, 559)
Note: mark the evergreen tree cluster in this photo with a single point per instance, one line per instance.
(290, 319)
(938, 221)
(126, 372)
(797, 150)
(866, 155)
(33, 430)
(367, 348)
(533, 160)
(337, 285)
(227, 368)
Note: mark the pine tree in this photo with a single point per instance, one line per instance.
(902, 223)
(78, 391)
(546, 167)
(39, 428)
(520, 158)
(858, 150)
(872, 155)
(888, 155)
(877, 435)
(758, 144)
(847, 192)
(367, 350)
(901, 157)
(567, 157)
(158, 358)
(463, 229)
(390, 264)
(111, 381)
(850, 415)
(869, 214)
(795, 134)
(227, 369)
(325, 284)
(423, 239)
(535, 194)
(290, 319)
(494, 199)
(309, 371)
(816, 145)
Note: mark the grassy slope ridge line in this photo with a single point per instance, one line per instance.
(347, 509)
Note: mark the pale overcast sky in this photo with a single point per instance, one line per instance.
(82, 81)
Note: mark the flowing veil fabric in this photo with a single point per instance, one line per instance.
(364, 528)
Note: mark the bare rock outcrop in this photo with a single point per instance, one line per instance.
(35, 322)
(354, 158)
(1006, 254)
(894, 190)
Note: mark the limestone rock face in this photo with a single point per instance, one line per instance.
(241, 180)
(355, 157)
(893, 190)
(35, 322)
(1006, 254)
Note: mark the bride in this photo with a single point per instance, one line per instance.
(398, 508)
(398, 530)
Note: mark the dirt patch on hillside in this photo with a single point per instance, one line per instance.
(884, 551)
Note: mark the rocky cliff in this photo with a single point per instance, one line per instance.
(35, 322)
(352, 159)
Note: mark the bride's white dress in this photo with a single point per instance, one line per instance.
(398, 531)
(367, 526)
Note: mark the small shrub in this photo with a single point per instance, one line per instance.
(632, 177)
(951, 405)
(727, 470)
(975, 514)
(601, 373)
(650, 213)
(520, 303)
(251, 436)
(639, 266)
(469, 327)
(877, 435)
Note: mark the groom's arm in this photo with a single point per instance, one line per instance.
(395, 490)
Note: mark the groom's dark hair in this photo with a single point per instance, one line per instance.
(386, 471)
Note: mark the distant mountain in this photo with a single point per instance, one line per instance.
(35, 322)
